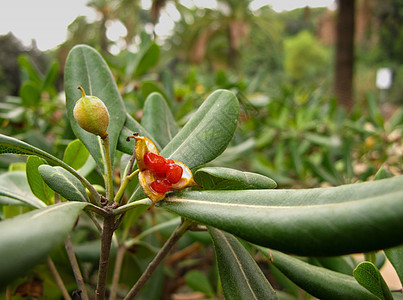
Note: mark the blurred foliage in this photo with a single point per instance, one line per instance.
(305, 59)
(291, 128)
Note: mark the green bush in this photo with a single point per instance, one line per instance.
(304, 57)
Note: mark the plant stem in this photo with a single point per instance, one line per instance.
(108, 169)
(176, 235)
(106, 241)
(126, 207)
(76, 268)
(94, 220)
(123, 186)
(58, 279)
(116, 272)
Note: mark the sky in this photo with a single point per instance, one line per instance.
(46, 21)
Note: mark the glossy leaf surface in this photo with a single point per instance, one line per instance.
(12, 145)
(370, 278)
(36, 183)
(207, 133)
(14, 185)
(131, 126)
(241, 278)
(313, 222)
(319, 282)
(85, 67)
(158, 119)
(28, 239)
(75, 154)
(63, 183)
(216, 178)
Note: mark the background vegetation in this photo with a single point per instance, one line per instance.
(279, 65)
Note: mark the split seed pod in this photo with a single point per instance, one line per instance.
(154, 176)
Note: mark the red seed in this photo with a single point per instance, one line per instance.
(161, 186)
(156, 163)
(174, 173)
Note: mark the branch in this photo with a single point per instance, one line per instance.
(106, 241)
(58, 279)
(76, 268)
(176, 235)
(116, 272)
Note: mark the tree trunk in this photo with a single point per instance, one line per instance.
(344, 62)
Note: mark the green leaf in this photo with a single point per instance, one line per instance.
(149, 87)
(27, 66)
(30, 94)
(146, 58)
(341, 264)
(11, 145)
(199, 282)
(395, 256)
(50, 76)
(369, 277)
(217, 178)
(351, 218)
(158, 119)
(36, 183)
(85, 67)
(14, 185)
(131, 126)
(63, 183)
(28, 239)
(207, 133)
(75, 154)
(241, 278)
(319, 282)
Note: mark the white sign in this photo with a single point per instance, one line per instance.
(384, 78)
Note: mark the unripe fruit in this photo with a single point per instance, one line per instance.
(91, 114)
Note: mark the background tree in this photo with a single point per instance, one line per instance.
(344, 59)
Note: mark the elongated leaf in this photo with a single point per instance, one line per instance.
(30, 94)
(63, 183)
(317, 281)
(8, 201)
(29, 69)
(149, 87)
(395, 256)
(28, 239)
(314, 222)
(50, 77)
(241, 278)
(158, 119)
(199, 282)
(230, 179)
(11, 145)
(369, 277)
(341, 264)
(36, 183)
(86, 68)
(75, 154)
(208, 132)
(14, 185)
(146, 59)
(131, 126)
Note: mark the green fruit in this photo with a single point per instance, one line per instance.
(91, 114)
